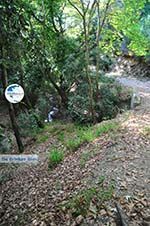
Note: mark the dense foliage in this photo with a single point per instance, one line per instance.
(62, 48)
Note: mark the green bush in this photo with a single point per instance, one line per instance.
(27, 123)
(78, 106)
(107, 106)
(55, 157)
(43, 106)
(111, 99)
(106, 80)
(105, 61)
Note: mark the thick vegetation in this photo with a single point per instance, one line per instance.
(59, 52)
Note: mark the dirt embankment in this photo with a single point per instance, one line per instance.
(31, 195)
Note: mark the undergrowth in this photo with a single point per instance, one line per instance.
(89, 199)
(72, 136)
(55, 157)
(82, 135)
(42, 138)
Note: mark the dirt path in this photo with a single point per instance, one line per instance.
(138, 85)
(31, 195)
(128, 161)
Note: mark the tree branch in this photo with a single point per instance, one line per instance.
(105, 15)
(75, 7)
(122, 217)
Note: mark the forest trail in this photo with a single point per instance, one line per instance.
(59, 52)
(141, 114)
(32, 194)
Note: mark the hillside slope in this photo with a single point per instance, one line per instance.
(34, 195)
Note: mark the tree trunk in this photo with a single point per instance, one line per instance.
(10, 106)
(97, 51)
(15, 128)
(99, 30)
(91, 98)
(61, 92)
(86, 23)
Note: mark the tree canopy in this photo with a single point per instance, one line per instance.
(50, 46)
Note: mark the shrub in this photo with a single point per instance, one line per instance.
(105, 61)
(78, 109)
(80, 203)
(111, 100)
(106, 80)
(27, 123)
(106, 106)
(43, 106)
(55, 157)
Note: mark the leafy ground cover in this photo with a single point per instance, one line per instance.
(72, 136)
(119, 155)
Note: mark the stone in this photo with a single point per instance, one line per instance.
(135, 100)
